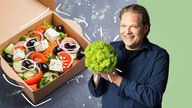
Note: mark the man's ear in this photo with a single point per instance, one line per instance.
(146, 28)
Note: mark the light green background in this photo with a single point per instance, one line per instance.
(171, 28)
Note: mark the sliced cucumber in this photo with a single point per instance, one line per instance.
(42, 83)
(46, 74)
(49, 76)
(17, 66)
(74, 56)
(50, 79)
(9, 48)
(20, 75)
(29, 74)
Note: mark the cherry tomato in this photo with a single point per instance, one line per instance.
(35, 34)
(75, 62)
(33, 87)
(20, 47)
(38, 57)
(67, 60)
(35, 79)
(41, 28)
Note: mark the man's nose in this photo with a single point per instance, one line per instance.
(128, 30)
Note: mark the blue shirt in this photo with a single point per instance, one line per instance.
(145, 75)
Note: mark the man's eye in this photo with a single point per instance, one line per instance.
(134, 26)
(122, 26)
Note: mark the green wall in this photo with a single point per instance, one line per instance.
(171, 28)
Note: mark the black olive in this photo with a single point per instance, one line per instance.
(59, 28)
(26, 63)
(80, 53)
(57, 49)
(70, 46)
(31, 42)
(43, 67)
(8, 57)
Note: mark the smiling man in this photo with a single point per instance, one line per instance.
(144, 66)
(132, 30)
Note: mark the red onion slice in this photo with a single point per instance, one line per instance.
(52, 74)
(69, 40)
(34, 65)
(20, 43)
(20, 71)
(42, 37)
(24, 69)
(28, 54)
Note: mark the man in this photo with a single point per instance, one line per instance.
(141, 73)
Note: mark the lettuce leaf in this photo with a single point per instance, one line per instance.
(100, 57)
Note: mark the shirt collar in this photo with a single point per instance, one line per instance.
(146, 44)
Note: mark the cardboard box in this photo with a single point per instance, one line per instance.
(24, 15)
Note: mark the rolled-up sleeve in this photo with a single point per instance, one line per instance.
(96, 91)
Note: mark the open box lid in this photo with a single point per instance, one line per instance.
(18, 14)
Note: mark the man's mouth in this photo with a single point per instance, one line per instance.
(129, 37)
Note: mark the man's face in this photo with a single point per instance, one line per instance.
(132, 30)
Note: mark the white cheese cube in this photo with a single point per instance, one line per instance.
(18, 54)
(42, 45)
(55, 65)
(51, 34)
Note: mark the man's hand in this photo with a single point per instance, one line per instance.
(113, 77)
(96, 79)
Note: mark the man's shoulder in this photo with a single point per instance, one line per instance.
(158, 49)
(117, 43)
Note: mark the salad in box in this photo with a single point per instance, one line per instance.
(43, 54)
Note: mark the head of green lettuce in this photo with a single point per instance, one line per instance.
(100, 57)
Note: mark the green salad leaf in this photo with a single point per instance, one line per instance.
(100, 57)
